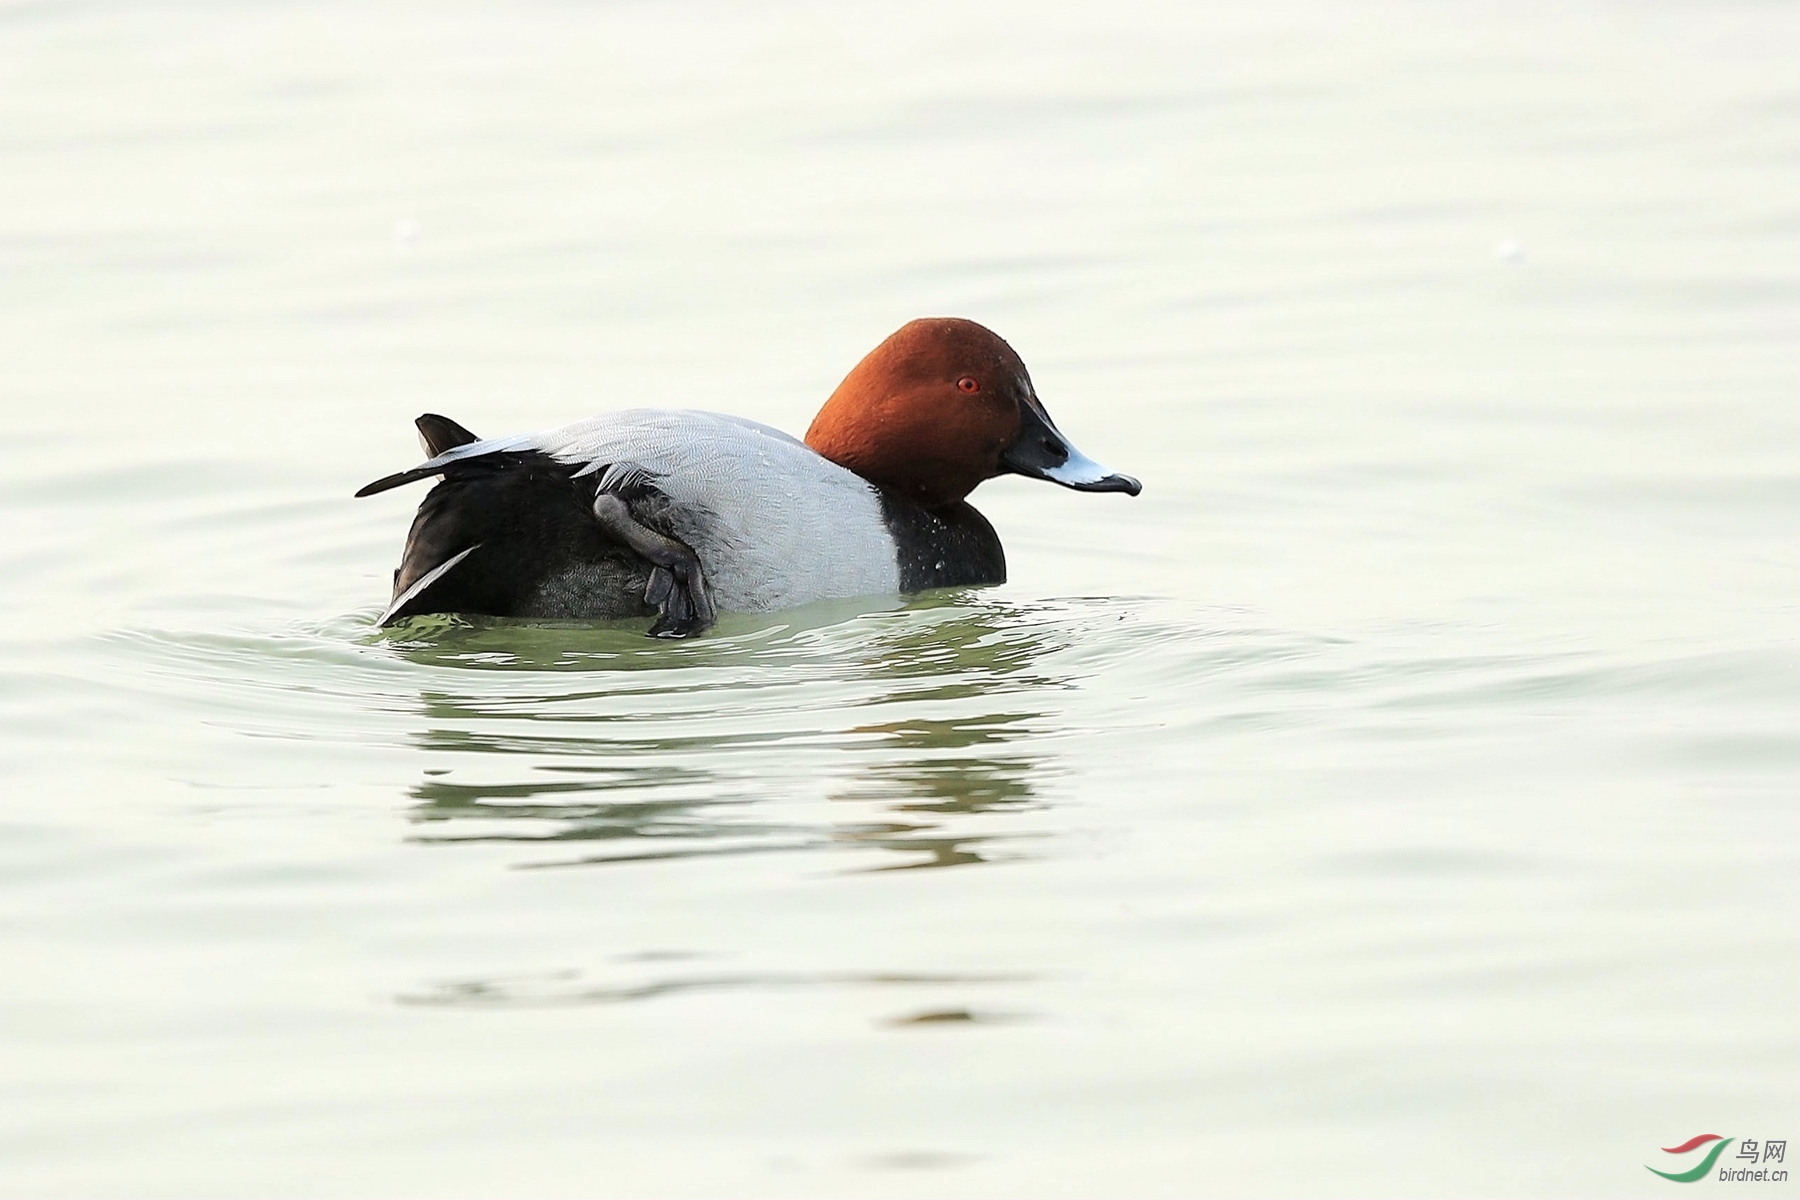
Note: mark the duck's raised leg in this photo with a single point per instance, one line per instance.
(677, 586)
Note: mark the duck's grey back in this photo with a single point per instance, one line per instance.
(774, 523)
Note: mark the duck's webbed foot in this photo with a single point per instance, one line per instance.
(677, 587)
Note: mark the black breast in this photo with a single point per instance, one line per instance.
(948, 547)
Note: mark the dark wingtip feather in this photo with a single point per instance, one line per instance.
(438, 435)
(393, 481)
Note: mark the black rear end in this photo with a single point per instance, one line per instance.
(538, 550)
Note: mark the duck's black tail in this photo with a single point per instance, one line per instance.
(438, 434)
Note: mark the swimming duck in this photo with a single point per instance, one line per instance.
(682, 514)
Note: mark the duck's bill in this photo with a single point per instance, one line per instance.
(1042, 452)
(1085, 475)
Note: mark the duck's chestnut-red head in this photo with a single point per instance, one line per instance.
(941, 405)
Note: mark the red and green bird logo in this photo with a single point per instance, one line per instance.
(1706, 1164)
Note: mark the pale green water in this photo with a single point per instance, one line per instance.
(1398, 798)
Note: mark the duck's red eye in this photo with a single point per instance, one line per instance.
(968, 383)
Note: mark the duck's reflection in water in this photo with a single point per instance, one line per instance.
(730, 748)
(918, 778)
(570, 811)
(556, 989)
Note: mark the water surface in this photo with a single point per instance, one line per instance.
(1396, 799)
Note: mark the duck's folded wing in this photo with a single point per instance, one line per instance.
(588, 445)
(449, 458)
(773, 522)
